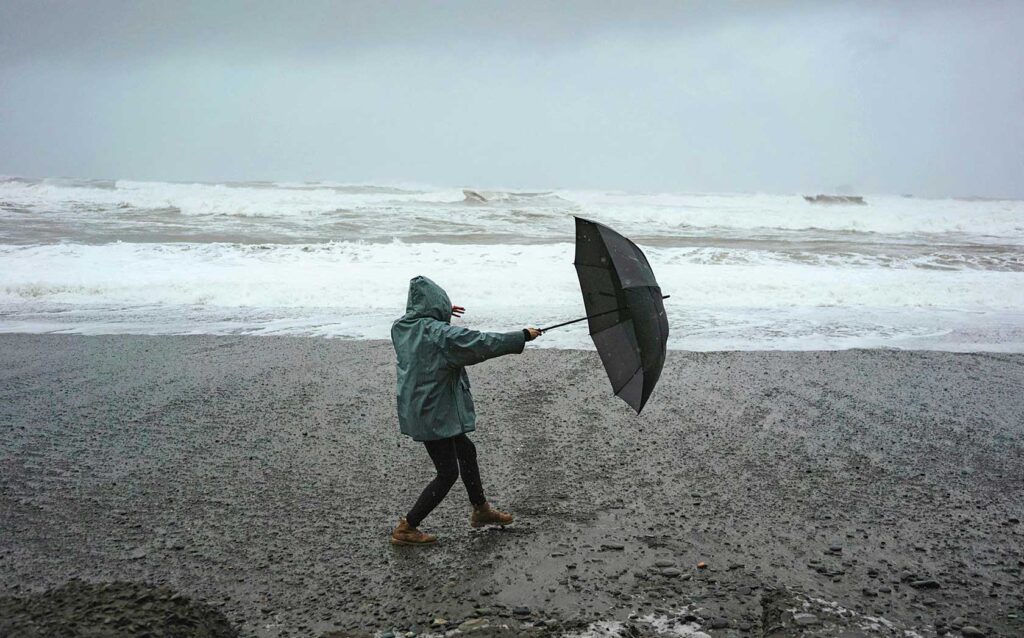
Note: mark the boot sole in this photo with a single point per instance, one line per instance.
(395, 541)
(479, 525)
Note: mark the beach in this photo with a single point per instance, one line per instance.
(262, 475)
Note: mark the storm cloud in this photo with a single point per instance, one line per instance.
(923, 98)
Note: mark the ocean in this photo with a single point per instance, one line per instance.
(744, 271)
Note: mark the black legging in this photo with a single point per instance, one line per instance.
(449, 457)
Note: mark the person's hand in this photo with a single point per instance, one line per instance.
(532, 333)
(457, 311)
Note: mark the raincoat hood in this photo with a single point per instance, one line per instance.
(427, 300)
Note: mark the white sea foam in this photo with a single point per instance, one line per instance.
(744, 271)
(209, 199)
(354, 274)
(357, 289)
(1001, 219)
(534, 216)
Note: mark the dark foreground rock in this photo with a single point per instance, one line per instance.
(101, 610)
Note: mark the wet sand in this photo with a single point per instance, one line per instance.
(262, 476)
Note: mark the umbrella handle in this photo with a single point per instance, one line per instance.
(599, 314)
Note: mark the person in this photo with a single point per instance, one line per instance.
(435, 405)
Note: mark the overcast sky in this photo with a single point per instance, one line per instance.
(874, 97)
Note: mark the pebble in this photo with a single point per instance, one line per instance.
(473, 624)
(925, 584)
(616, 547)
(671, 572)
(137, 553)
(805, 619)
(972, 632)
(521, 611)
(719, 623)
(664, 562)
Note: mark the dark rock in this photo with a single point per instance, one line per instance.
(925, 584)
(969, 631)
(161, 613)
(719, 623)
(805, 619)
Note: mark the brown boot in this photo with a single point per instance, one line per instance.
(406, 535)
(487, 515)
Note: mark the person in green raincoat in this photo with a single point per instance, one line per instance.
(435, 405)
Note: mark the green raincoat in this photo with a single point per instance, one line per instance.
(434, 401)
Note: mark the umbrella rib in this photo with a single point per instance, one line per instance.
(619, 389)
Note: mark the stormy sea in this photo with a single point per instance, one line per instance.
(744, 271)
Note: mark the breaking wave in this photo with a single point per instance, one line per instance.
(332, 259)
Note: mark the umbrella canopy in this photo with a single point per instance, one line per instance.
(625, 311)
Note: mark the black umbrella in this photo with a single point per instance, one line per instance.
(624, 310)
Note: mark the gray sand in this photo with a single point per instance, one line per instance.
(262, 476)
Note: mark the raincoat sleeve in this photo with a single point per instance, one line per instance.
(464, 347)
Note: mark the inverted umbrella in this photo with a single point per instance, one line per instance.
(625, 311)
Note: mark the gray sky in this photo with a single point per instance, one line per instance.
(881, 97)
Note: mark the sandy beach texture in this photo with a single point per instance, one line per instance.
(262, 476)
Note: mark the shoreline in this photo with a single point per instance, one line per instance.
(263, 475)
(982, 349)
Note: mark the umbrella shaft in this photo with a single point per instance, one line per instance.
(599, 314)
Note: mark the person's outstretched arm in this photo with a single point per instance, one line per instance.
(465, 347)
